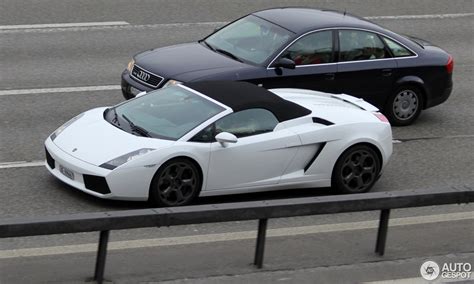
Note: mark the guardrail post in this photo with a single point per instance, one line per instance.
(382, 231)
(260, 247)
(101, 255)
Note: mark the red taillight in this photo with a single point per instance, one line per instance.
(381, 117)
(450, 65)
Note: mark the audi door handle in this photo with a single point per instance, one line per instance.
(330, 76)
(387, 72)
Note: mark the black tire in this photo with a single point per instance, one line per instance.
(356, 170)
(404, 106)
(177, 182)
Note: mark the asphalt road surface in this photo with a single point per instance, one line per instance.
(61, 57)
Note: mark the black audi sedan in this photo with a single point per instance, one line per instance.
(307, 48)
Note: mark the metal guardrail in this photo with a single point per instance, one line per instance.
(261, 210)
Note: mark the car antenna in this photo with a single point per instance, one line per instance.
(345, 11)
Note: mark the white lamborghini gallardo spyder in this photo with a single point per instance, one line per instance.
(212, 138)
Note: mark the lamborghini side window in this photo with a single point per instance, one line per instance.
(247, 122)
(205, 136)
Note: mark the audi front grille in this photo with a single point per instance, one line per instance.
(146, 77)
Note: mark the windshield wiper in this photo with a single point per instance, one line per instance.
(136, 128)
(228, 54)
(115, 119)
(208, 45)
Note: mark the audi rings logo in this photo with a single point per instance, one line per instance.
(142, 75)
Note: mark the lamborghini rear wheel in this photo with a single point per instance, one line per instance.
(356, 170)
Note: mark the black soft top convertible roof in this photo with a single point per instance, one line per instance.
(242, 95)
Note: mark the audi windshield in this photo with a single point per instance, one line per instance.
(250, 39)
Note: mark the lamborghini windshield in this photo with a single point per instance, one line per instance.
(250, 39)
(167, 113)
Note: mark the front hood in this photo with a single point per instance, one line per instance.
(172, 61)
(93, 140)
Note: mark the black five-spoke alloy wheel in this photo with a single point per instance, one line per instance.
(176, 183)
(404, 105)
(356, 170)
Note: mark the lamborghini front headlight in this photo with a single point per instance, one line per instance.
(112, 164)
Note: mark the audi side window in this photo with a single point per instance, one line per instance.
(397, 49)
(247, 122)
(357, 45)
(315, 48)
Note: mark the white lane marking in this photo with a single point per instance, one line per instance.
(105, 25)
(63, 25)
(234, 236)
(59, 90)
(417, 17)
(419, 280)
(120, 27)
(21, 164)
(180, 25)
(396, 141)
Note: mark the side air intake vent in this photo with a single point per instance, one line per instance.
(322, 121)
(320, 149)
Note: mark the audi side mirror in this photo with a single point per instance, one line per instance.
(285, 63)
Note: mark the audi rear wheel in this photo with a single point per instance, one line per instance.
(404, 105)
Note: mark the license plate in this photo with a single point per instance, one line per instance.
(134, 91)
(67, 172)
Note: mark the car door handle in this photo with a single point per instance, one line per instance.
(387, 72)
(329, 76)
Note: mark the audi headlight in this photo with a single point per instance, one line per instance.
(112, 164)
(64, 126)
(172, 83)
(130, 65)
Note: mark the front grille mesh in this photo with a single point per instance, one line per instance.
(146, 77)
(96, 183)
